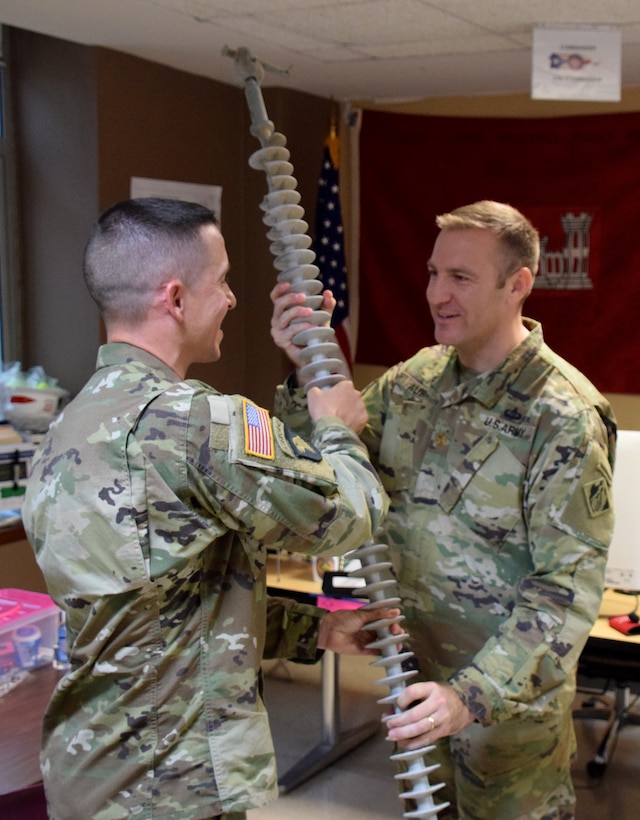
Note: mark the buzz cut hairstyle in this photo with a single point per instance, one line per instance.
(138, 244)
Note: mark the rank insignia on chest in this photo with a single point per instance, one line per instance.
(258, 435)
(442, 440)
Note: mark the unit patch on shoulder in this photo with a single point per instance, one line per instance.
(258, 435)
(301, 447)
(597, 497)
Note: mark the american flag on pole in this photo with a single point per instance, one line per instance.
(329, 243)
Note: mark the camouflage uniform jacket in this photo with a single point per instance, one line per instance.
(499, 522)
(150, 507)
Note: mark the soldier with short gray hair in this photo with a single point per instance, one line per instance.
(151, 504)
(497, 456)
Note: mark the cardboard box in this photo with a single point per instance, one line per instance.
(28, 630)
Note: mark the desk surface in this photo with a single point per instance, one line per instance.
(296, 575)
(614, 603)
(609, 654)
(292, 574)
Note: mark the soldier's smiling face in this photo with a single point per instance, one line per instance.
(208, 300)
(469, 308)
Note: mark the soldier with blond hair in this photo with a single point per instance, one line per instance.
(497, 457)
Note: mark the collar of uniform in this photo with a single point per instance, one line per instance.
(123, 353)
(488, 387)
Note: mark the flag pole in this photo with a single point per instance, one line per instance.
(329, 242)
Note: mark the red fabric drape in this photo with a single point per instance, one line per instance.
(415, 167)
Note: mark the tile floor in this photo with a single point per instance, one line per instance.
(360, 785)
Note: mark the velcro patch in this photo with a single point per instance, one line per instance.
(597, 497)
(258, 435)
(301, 447)
(218, 409)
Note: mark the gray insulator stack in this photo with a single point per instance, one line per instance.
(295, 262)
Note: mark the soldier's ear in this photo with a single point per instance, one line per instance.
(520, 283)
(172, 298)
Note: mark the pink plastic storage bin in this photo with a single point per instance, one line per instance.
(28, 629)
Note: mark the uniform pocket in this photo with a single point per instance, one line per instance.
(527, 745)
(402, 447)
(483, 490)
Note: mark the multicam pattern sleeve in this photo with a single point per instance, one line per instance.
(150, 506)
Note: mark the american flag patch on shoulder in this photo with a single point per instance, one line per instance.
(258, 435)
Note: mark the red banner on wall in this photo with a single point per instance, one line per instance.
(576, 178)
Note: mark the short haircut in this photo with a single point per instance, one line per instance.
(137, 245)
(519, 240)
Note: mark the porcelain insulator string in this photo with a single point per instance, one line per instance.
(294, 259)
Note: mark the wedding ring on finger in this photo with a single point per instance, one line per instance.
(432, 723)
